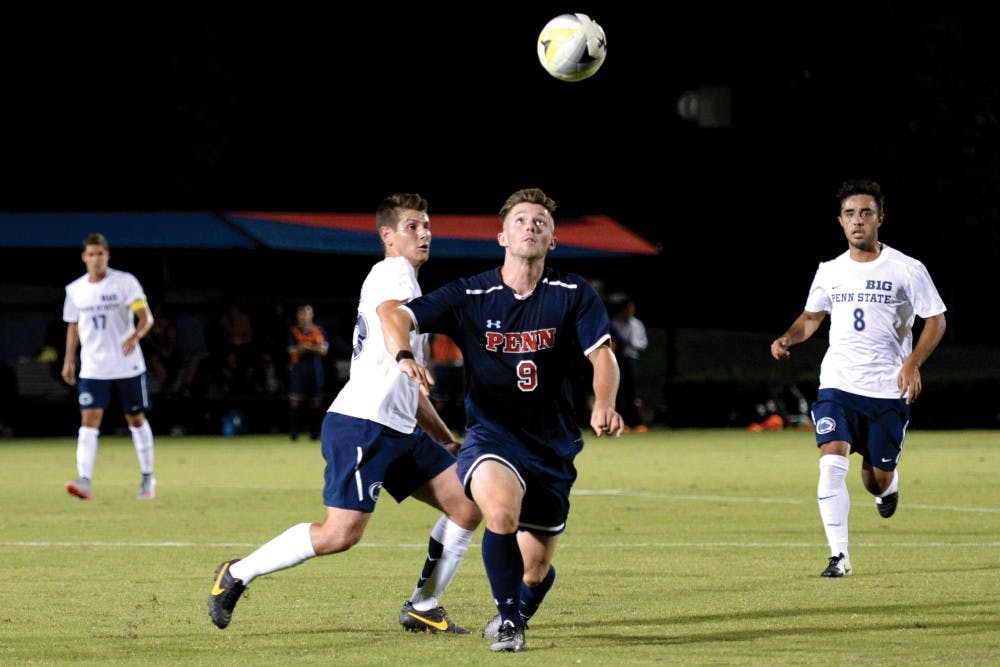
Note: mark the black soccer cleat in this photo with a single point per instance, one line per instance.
(226, 591)
(492, 628)
(887, 504)
(510, 639)
(434, 620)
(840, 566)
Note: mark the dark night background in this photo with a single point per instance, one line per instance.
(298, 109)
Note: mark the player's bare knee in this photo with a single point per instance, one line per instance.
(534, 575)
(501, 523)
(465, 514)
(324, 544)
(332, 538)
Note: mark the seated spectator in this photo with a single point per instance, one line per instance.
(174, 359)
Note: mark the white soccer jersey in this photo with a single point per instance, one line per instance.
(872, 307)
(104, 317)
(377, 390)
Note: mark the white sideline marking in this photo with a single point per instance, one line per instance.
(567, 544)
(631, 494)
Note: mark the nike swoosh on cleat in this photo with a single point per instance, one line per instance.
(216, 589)
(437, 625)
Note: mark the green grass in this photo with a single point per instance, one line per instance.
(683, 547)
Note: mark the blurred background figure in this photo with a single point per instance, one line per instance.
(237, 336)
(173, 361)
(448, 393)
(307, 345)
(274, 358)
(160, 348)
(630, 340)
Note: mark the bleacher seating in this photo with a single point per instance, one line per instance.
(35, 379)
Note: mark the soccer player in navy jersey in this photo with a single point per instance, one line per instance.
(377, 435)
(520, 328)
(871, 371)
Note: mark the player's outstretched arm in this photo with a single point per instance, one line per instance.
(431, 423)
(804, 326)
(396, 326)
(909, 380)
(604, 419)
(143, 325)
(72, 345)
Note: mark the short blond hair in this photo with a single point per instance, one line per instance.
(531, 196)
(95, 238)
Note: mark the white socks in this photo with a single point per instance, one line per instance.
(834, 500)
(86, 448)
(86, 451)
(295, 546)
(455, 542)
(142, 438)
(292, 547)
(893, 487)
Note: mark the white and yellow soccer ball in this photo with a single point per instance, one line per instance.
(572, 47)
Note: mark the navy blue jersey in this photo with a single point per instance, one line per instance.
(519, 352)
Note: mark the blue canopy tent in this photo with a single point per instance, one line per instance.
(459, 236)
(123, 229)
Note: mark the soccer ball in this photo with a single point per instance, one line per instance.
(572, 47)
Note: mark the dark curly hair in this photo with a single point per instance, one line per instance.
(861, 187)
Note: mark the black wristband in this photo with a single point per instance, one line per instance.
(403, 354)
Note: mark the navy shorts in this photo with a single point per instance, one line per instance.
(306, 380)
(132, 392)
(363, 457)
(546, 478)
(874, 427)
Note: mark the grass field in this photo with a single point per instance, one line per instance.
(683, 547)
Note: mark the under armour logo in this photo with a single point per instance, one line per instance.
(492, 324)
